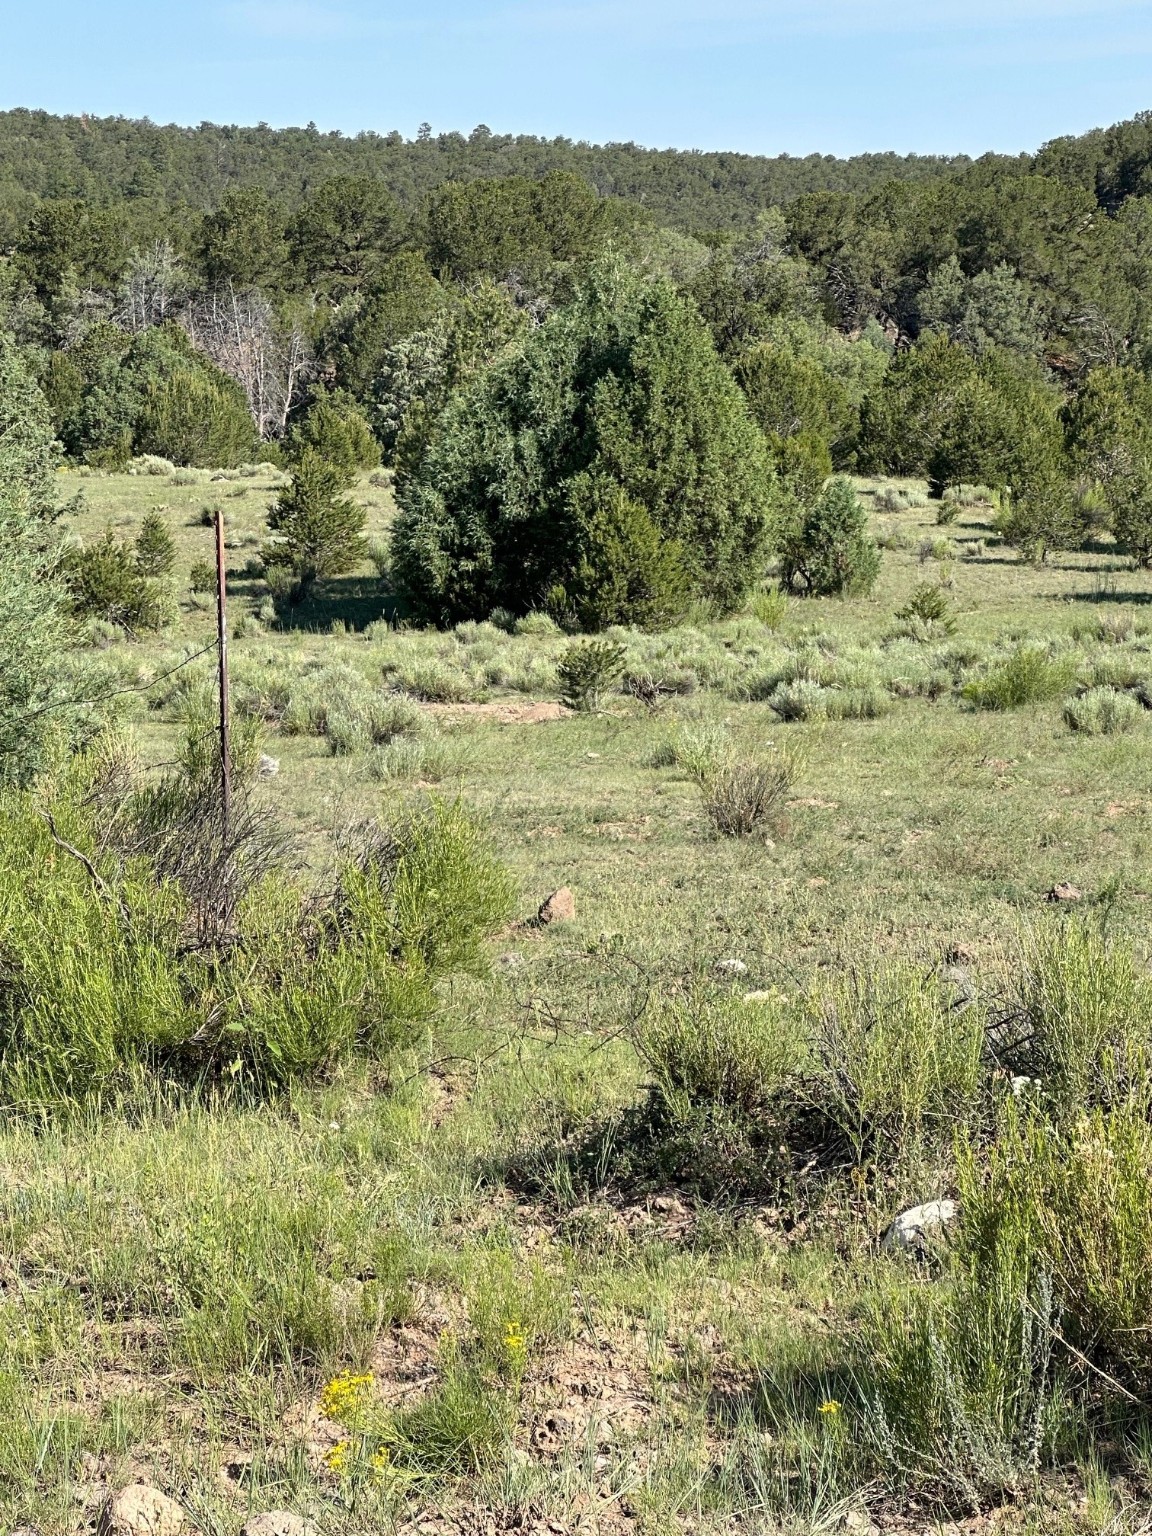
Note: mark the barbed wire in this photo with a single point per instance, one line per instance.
(114, 693)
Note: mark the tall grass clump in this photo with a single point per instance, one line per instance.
(745, 795)
(1077, 1020)
(133, 940)
(1028, 676)
(900, 1068)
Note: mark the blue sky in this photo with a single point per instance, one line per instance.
(765, 76)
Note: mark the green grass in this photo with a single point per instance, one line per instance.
(587, 1143)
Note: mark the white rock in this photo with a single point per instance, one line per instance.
(912, 1227)
(731, 967)
(277, 1522)
(139, 1510)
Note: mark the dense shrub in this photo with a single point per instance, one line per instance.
(587, 669)
(199, 418)
(105, 581)
(336, 428)
(101, 981)
(830, 552)
(1028, 676)
(617, 402)
(1102, 711)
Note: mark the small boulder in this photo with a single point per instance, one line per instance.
(277, 1522)
(1065, 891)
(730, 967)
(560, 907)
(140, 1510)
(269, 766)
(914, 1228)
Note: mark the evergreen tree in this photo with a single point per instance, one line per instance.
(321, 532)
(155, 546)
(197, 416)
(339, 432)
(624, 386)
(830, 553)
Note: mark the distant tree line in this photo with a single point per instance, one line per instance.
(588, 408)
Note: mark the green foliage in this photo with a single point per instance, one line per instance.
(343, 231)
(830, 553)
(725, 1051)
(242, 240)
(199, 419)
(1028, 676)
(625, 572)
(403, 299)
(586, 669)
(106, 581)
(31, 631)
(623, 386)
(962, 419)
(493, 228)
(1102, 712)
(790, 394)
(928, 613)
(769, 607)
(902, 1069)
(1109, 428)
(338, 431)
(744, 796)
(155, 546)
(320, 531)
(107, 984)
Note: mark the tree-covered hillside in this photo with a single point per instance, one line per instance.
(106, 159)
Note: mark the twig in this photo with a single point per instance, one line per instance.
(1084, 1360)
(99, 884)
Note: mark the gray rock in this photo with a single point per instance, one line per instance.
(914, 1228)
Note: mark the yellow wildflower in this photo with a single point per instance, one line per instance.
(831, 1406)
(381, 1464)
(343, 1395)
(336, 1459)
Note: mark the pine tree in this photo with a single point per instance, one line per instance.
(321, 532)
(155, 546)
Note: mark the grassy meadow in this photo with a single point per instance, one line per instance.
(515, 1278)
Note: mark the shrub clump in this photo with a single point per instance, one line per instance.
(1102, 711)
(1028, 676)
(587, 669)
(112, 968)
(105, 581)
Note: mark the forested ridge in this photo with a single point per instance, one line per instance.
(610, 382)
(107, 159)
